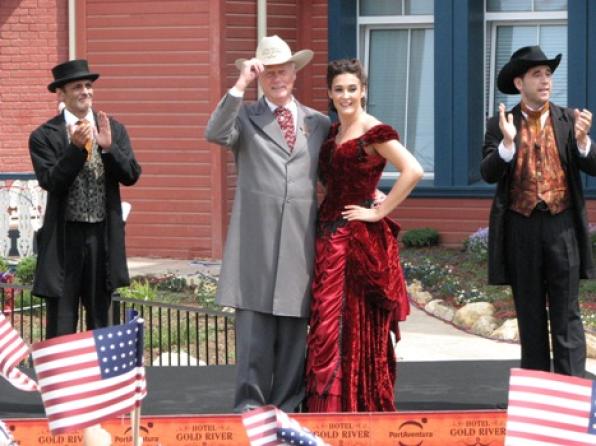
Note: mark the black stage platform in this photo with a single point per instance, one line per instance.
(450, 385)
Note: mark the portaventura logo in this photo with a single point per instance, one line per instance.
(411, 433)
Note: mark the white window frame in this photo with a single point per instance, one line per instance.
(492, 20)
(366, 24)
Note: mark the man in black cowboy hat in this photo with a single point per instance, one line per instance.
(80, 158)
(538, 232)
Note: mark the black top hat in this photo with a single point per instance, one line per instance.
(73, 70)
(521, 61)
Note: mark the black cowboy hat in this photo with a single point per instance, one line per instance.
(73, 70)
(521, 61)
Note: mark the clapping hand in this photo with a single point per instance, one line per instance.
(103, 136)
(583, 123)
(80, 133)
(507, 127)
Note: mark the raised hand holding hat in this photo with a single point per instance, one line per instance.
(273, 50)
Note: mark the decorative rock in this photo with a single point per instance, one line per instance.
(467, 315)
(185, 359)
(485, 325)
(421, 297)
(508, 331)
(414, 287)
(591, 345)
(439, 308)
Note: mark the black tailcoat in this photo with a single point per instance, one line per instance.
(57, 163)
(495, 170)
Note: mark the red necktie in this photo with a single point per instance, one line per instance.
(286, 123)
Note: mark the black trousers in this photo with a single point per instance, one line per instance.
(270, 355)
(543, 263)
(84, 281)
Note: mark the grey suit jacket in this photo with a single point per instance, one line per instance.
(269, 252)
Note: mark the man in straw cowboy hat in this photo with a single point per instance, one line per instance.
(80, 158)
(538, 232)
(269, 250)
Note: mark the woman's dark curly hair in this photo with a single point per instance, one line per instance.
(343, 66)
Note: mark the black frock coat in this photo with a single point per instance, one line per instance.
(57, 163)
(494, 170)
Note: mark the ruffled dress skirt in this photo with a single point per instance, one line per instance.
(359, 296)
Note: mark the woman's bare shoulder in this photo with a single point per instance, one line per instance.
(369, 121)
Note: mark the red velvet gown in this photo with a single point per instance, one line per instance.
(359, 292)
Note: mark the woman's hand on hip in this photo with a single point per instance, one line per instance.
(355, 212)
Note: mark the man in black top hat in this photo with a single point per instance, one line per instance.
(538, 231)
(80, 158)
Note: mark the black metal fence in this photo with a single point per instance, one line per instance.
(174, 334)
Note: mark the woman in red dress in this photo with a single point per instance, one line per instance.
(359, 293)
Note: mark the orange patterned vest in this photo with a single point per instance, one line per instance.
(538, 174)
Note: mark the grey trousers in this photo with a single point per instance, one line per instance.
(270, 354)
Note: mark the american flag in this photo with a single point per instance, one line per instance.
(547, 409)
(13, 350)
(85, 378)
(6, 436)
(270, 426)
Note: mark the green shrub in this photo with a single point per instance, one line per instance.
(139, 289)
(3, 265)
(170, 282)
(476, 245)
(420, 237)
(25, 272)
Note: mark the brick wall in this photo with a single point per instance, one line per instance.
(33, 38)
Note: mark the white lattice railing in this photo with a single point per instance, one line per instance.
(22, 205)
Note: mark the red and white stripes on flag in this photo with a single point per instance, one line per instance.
(548, 409)
(88, 377)
(13, 350)
(270, 426)
(261, 426)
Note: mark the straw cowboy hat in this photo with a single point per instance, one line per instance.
(274, 51)
(521, 61)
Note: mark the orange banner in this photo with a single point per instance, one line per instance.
(471, 428)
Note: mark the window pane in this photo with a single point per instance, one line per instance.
(413, 7)
(551, 38)
(509, 39)
(401, 99)
(508, 5)
(421, 123)
(385, 7)
(550, 5)
(387, 81)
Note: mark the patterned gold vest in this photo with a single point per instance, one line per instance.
(538, 174)
(87, 194)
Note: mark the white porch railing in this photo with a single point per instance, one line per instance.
(22, 206)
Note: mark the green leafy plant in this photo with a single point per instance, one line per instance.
(170, 282)
(3, 265)
(420, 237)
(25, 271)
(139, 289)
(476, 245)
